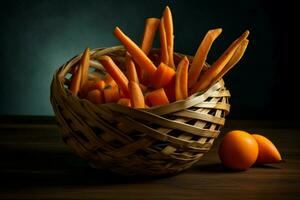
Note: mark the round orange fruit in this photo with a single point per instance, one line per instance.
(238, 150)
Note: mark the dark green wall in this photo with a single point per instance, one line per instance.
(38, 36)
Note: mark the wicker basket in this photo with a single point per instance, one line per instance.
(162, 140)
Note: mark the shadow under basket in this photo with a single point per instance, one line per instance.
(161, 140)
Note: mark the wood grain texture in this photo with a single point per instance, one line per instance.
(36, 164)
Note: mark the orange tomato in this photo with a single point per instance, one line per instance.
(268, 153)
(238, 150)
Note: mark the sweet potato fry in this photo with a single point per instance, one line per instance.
(115, 73)
(111, 94)
(170, 89)
(137, 54)
(181, 81)
(109, 81)
(157, 97)
(209, 75)
(201, 55)
(151, 25)
(130, 69)
(238, 54)
(137, 97)
(162, 76)
(99, 84)
(85, 64)
(168, 23)
(124, 102)
(164, 56)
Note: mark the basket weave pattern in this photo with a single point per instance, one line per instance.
(156, 141)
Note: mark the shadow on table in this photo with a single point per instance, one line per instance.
(219, 168)
(83, 176)
(31, 168)
(23, 167)
(213, 168)
(266, 166)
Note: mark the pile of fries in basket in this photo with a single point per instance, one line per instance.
(153, 78)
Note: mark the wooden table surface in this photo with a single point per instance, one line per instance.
(35, 164)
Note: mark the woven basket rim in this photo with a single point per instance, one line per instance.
(122, 48)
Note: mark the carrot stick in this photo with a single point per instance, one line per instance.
(111, 94)
(109, 81)
(130, 69)
(181, 81)
(157, 97)
(115, 73)
(91, 85)
(238, 54)
(151, 25)
(162, 76)
(163, 43)
(168, 23)
(209, 75)
(75, 81)
(201, 55)
(85, 64)
(138, 69)
(137, 54)
(95, 96)
(99, 84)
(124, 102)
(170, 89)
(137, 97)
